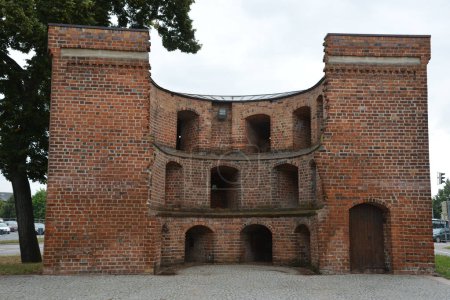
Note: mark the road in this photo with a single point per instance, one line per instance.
(12, 249)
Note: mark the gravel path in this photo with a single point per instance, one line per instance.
(225, 282)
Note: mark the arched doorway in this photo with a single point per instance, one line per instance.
(367, 239)
(199, 245)
(187, 131)
(303, 243)
(256, 244)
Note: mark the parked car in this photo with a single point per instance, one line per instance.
(12, 225)
(39, 228)
(440, 236)
(4, 228)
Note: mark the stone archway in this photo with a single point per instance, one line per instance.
(199, 245)
(256, 243)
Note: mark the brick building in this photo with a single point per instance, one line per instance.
(335, 176)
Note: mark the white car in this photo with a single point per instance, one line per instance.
(4, 228)
(39, 228)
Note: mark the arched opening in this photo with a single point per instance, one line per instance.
(319, 117)
(224, 187)
(199, 245)
(303, 244)
(256, 244)
(258, 133)
(187, 131)
(302, 128)
(174, 184)
(286, 185)
(367, 241)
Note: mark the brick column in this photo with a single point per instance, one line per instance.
(99, 155)
(375, 147)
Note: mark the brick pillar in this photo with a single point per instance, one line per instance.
(375, 147)
(99, 155)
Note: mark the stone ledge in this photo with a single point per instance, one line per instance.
(236, 155)
(274, 213)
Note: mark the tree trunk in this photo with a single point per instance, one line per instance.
(29, 246)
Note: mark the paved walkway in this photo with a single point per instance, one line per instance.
(225, 282)
(439, 248)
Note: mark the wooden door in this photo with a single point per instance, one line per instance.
(366, 239)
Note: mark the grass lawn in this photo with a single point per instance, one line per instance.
(443, 265)
(12, 242)
(11, 265)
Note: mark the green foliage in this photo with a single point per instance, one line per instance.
(8, 210)
(25, 90)
(443, 265)
(39, 202)
(24, 109)
(442, 195)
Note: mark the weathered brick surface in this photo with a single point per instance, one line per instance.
(375, 149)
(99, 157)
(122, 199)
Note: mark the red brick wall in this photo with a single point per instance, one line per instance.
(227, 240)
(99, 156)
(121, 198)
(375, 149)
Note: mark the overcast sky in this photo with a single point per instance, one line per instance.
(262, 46)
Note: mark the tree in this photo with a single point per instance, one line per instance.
(442, 195)
(39, 201)
(25, 91)
(7, 210)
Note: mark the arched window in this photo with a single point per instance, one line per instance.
(187, 131)
(225, 187)
(286, 186)
(302, 128)
(258, 133)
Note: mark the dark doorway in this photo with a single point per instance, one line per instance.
(258, 133)
(366, 239)
(256, 243)
(199, 245)
(224, 187)
(187, 131)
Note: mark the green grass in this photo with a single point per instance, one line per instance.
(443, 265)
(13, 242)
(448, 247)
(11, 265)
